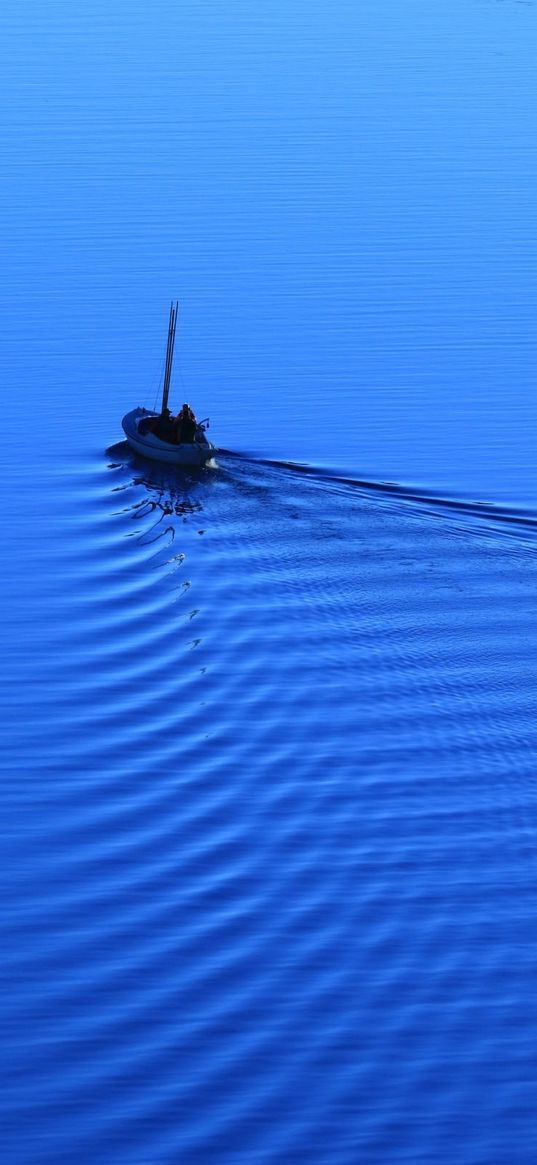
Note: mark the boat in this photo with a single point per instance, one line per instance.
(136, 428)
(137, 424)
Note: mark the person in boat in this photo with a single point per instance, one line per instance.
(185, 425)
(163, 427)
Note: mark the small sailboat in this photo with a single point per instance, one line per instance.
(138, 424)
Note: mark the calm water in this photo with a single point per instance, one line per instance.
(269, 730)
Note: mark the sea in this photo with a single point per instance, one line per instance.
(268, 790)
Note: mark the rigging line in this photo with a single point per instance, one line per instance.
(158, 380)
(157, 385)
(166, 370)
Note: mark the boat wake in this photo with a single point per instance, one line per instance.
(485, 513)
(279, 762)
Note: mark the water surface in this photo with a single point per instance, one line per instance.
(269, 729)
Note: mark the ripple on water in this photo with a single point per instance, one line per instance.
(272, 826)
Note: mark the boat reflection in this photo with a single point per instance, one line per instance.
(159, 499)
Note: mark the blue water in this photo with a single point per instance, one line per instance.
(269, 729)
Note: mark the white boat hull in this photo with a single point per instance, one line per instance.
(197, 452)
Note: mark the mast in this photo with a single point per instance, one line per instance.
(169, 353)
